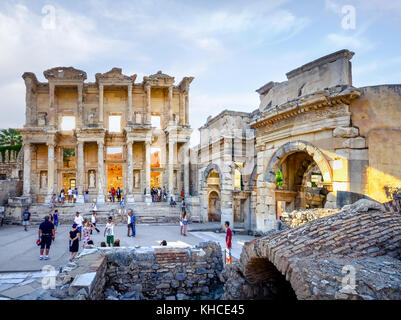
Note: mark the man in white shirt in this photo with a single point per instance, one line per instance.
(109, 232)
(78, 220)
(69, 192)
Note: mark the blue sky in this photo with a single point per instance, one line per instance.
(230, 47)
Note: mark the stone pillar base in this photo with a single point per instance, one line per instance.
(100, 199)
(80, 199)
(130, 199)
(48, 198)
(148, 198)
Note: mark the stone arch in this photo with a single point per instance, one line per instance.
(209, 168)
(298, 146)
(261, 263)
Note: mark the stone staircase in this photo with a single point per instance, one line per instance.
(155, 212)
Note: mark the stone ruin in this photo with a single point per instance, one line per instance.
(140, 273)
(353, 254)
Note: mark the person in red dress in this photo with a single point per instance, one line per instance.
(229, 236)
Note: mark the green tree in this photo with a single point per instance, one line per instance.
(279, 178)
(10, 137)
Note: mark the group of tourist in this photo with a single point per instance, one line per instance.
(113, 194)
(158, 194)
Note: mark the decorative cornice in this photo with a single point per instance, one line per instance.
(314, 101)
(115, 75)
(65, 73)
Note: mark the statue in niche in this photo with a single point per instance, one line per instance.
(43, 180)
(136, 180)
(92, 179)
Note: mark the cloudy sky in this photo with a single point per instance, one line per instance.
(231, 47)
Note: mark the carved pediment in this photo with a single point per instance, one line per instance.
(65, 73)
(159, 78)
(114, 74)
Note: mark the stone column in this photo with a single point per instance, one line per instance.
(100, 172)
(130, 103)
(170, 190)
(186, 168)
(80, 172)
(148, 104)
(170, 105)
(80, 115)
(52, 107)
(50, 171)
(186, 108)
(147, 172)
(182, 109)
(29, 101)
(130, 173)
(27, 169)
(101, 92)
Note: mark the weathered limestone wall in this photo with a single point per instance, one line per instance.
(325, 72)
(377, 114)
(9, 189)
(142, 273)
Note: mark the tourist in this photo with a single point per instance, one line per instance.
(94, 221)
(73, 237)
(113, 194)
(182, 194)
(164, 193)
(185, 222)
(62, 196)
(86, 198)
(181, 225)
(133, 223)
(78, 220)
(118, 193)
(159, 194)
(94, 208)
(69, 192)
(109, 231)
(45, 235)
(55, 220)
(229, 236)
(26, 217)
(122, 207)
(75, 195)
(52, 201)
(172, 202)
(279, 223)
(86, 232)
(183, 206)
(128, 223)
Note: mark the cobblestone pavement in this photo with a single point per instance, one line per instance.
(21, 270)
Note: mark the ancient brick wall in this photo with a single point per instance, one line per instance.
(313, 256)
(142, 273)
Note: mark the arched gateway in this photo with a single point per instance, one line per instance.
(306, 177)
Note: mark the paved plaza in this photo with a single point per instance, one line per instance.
(21, 270)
